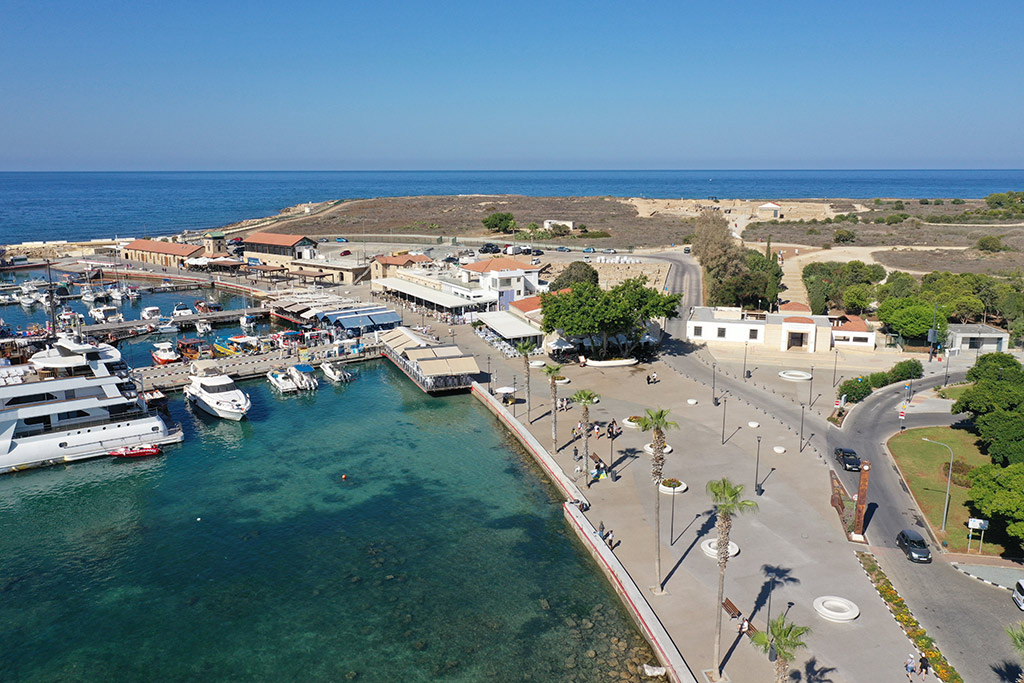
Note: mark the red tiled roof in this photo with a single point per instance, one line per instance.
(492, 264)
(854, 323)
(274, 239)
(403, 260)
(795, 306)
(169, 248)
(798, 319)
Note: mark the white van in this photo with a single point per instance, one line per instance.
(1018, 594)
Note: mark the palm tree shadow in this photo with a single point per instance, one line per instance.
(812, 673)
(703, 531)
(1007, 671)
(627, 456)
(774, 576)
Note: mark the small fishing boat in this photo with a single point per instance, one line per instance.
(167, 327)
(164, 353)
(281, 380)
(203, 327)
(208, 306)
(150, 313)
(195, 349)
(142, 451)
(247, 321)
(132, 293)
(154, 398)
(336, 372)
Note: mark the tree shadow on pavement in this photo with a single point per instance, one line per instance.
(813, 673)
(1007, 671)
(703, 531)
(775, 576)
(626, 456)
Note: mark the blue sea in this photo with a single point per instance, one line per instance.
(77, 206)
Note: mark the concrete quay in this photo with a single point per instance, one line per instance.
(214, 317)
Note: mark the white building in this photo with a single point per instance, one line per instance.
(978, 338)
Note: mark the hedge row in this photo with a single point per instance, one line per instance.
(858, 388)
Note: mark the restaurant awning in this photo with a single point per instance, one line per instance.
(424, 293)
(508, 326)
(354, 321)
(385, 318)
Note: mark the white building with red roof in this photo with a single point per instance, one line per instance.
(792, 328)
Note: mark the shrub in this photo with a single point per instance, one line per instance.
(961, 472)
(923, 202)
(843, 235)
(877, 380)
(898, 206)
(938, 202)
(906, 369)
(989, 243)
(957, 201)
(856, 391)
(894, 218)
(813, 231)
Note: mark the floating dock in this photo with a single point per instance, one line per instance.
(213, 318)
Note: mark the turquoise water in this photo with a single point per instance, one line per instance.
(246, 554)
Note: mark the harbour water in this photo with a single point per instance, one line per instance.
(79, 206)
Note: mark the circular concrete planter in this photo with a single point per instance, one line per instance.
(710, 548)
(836, 609)
(629, 423)
(618, 363)
(753, 425)
(795, 376)
(562, 382)
(649, 449)
(537, 363)
(691, 401)
(672, 490)
(779, 449)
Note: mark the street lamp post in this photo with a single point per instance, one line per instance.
(714, 370)
(810, 388)
(949, 478)
(945, 380)
(757, 468)
(801, 427)
(745, 344)
(835, 366)
(724, 406)
(488, 374)
(513, 395)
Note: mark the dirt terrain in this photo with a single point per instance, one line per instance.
(964, 261)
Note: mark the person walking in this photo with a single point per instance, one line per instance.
(597, 431)
(575, 453)
(610, 539)
(922, 667)
(909, 667)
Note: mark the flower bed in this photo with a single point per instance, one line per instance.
(922, 641)
(671, 486)
(561, 380)
(633, 421)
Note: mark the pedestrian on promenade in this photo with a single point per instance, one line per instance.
(909, 667)
(922, 667)
(654, 378)
(575, 453)
(611, 429)
(648, 379)
(610, 540)
(743, 627)
(597, 431)
(600, 530)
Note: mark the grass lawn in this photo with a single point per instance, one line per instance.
(953, 393)
(922, 466)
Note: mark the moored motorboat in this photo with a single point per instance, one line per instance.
(164, 353)
(215, 392)
(180, 309)
(142, 451)
(167, 327)
(303, 377)
(335, 371)
(281, 380)
(195, 349)
(203, 327)
(150, 313)
(105, 314)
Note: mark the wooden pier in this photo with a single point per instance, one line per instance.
(214, 318)
(174, 376)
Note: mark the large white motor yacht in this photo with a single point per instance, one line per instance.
(70, 402)
(215, 392)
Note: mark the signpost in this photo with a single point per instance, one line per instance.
(972, 524)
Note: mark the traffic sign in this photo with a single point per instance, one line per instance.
(903, 415)
(837, 403)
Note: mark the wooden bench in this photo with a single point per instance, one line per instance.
(734, 613)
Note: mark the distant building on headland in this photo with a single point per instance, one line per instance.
(274, 249)
(159, 253)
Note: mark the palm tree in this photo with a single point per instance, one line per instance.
(552, 372)
(586, 398)
(525, 348)
(786, 639)
(728, 501)
(656, 421)
(1016, 634)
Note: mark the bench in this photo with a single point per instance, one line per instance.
(734, 613)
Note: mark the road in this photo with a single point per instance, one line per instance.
(965, 616)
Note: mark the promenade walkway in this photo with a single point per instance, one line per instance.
(791, 552)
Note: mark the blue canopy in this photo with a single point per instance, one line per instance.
(385, 318)
(353, 322)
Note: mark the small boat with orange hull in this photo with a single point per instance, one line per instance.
(142, 451)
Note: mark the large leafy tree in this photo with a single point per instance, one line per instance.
(729, 502)
(910, 317)
(657, 422)
(785, 638)
(996, 402)
(999, 492)
(500, 222)
(576, 272)
(552, 372)
(898, 285)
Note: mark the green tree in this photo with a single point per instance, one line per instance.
(500, 222)
(998, 492)
(1002, 433)
(1016, 633)
(729, 502)
(855, 391)
(842, 235)
(786, 638)
(906, 369)
(910, 317)
(966, 307)
(657, 422)
(532, 228)
(857, 298)
(552, 372)
(898, 285)
(989, 243)
(525, 348)
(996, 366)
(577, 271)
(586, 398)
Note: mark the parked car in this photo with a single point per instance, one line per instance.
(913, 546)
(345, 252)
(234, 240)
(589, 250)
(609, 250)
(322, 239)
(686, 250)
(1018, 594)
(340, 239)
(848, 459)
(563, 249)
(538, 252)
(489, 249)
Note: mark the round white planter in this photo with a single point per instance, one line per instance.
(562, 382)
(691, 401)
(779, 449)
(649, 448)
(795, 376)
(619, 363)
(632, 425)
(710, 548)
(835, 608)
(753, 425)
(537, 363)
(672, 490)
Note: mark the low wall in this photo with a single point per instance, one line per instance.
(619, 363)
(632, 597)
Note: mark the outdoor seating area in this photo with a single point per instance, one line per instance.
(502, 345)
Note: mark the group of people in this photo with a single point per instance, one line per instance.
(613, 430)
(921, 668)
(652, 378)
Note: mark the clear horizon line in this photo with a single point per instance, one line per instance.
(536, 170)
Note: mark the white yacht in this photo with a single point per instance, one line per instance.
(105, 314)
(150, 313)
(281, 380)
(70, 402)
(335, 371)
(180, 309)
(303, 377)
(203, 327)
(215, 392)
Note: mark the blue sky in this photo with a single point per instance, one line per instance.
(526, 85)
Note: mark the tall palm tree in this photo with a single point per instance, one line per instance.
(1016, 634)
(552, 372)
(657, 422)
(525, 348)
(728, 501)
(786, 639)
(586, 398)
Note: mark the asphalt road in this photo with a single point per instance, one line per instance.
(965, 616)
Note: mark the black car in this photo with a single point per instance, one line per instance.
(489, 249)
(848, 459)
(538, 252)
(913, 546)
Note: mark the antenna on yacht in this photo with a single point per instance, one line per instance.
(53, 301)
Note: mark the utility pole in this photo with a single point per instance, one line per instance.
(801, 427)
(714, 370)
(724, 405)
(932, 333)
(745, 344)
(835, 366)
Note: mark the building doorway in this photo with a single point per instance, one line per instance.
(797, 340)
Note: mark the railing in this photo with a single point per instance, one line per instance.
(77, 426)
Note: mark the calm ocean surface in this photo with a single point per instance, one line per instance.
(242, 554)
(76, 206)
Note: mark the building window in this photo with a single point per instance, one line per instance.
(753, 335)
(721, 333)
(974, 342)
(698, 331)
(862, 340)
